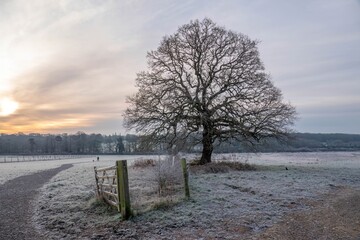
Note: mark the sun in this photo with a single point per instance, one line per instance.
(7, 107)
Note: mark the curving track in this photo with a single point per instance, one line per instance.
(15, 204)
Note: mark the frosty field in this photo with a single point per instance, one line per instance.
(222, 205)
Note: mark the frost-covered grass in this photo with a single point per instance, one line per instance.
(68, 206)
(11, 170)
(230, 204)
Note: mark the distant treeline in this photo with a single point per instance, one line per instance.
(300, 142)
(82, 143)
(79, 143)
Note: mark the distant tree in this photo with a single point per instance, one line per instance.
(50, 144)
(81, 142)
(32, 144)
(110, 143)
(65, 145)
(94, 143)
(210, 80)
(120, 148)
(145, 145)
(58, 140)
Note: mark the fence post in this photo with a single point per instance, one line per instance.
(97, 184)
(123, 189)
(186, 177)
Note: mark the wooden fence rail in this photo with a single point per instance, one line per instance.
(112, 186)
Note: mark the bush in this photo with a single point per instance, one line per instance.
(168, 175)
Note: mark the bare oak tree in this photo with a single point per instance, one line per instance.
(208, 80)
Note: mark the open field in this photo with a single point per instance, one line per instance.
(229, 205)
(12, 169)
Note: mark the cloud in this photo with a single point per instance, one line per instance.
(71, 64)
(79, 78)
(76, 93)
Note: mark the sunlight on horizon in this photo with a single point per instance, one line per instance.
(8, 107)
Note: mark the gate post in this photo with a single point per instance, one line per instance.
(123, 189)
(186, 177)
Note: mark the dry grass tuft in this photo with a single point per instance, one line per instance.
(164, 204)
(221, 167)
(99, 207)
(144, 163)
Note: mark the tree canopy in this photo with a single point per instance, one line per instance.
(209, 80)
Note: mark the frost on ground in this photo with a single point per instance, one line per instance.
(222, 205)
(11, 170)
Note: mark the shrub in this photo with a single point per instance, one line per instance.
(168, 176)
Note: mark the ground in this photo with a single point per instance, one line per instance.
(335, 216)
(15, 204)
(316, 198)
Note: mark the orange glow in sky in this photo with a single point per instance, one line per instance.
(68, 66)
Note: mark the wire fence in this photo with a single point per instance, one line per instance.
(45, 157)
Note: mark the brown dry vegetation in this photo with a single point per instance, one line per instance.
(335, 216)
(221, 167)
(143, 163)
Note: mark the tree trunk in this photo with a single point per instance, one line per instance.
(207, 147)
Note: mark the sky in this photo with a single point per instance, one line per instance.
(67, 66)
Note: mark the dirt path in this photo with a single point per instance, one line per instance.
(337, 216)
(15, 204)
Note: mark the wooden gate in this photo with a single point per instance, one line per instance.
(112, 186)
